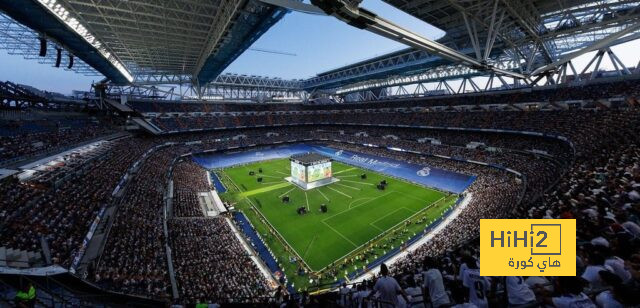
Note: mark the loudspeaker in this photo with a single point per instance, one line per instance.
(43, 47)
(58, 57)
(70, 62)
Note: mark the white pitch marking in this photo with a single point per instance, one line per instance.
(340, 192)
(280, 172)
(393, 212)
(370, 199)
(365, 183)
(354, 188)
(343, 171)
(336, 231)
(269, 176)
(356, 200)
(346, 176)
(323, 195)
(288, 191)
(265, 183)
(306, 197)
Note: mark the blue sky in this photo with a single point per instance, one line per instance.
(320, 43)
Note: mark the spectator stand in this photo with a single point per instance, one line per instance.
(57, 288)
(603, 155)
(92, 249)
(54, 170)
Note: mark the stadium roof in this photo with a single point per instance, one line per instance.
(189, 42)
(528, 36)
(127, 39)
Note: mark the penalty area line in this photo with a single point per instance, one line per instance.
(370, 199)
(359, 199)
(338, 232)
(376, 227)
(309, 246)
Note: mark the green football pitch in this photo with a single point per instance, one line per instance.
(358, 212)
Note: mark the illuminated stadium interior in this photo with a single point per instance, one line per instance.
(178, 153)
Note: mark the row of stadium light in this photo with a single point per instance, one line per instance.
(59, 11)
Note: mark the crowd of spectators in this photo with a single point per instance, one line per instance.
(134, 259)
(211, 265)
(62, 215)
(26, 138)
(596, 178)
(189, 179)
(599, 191)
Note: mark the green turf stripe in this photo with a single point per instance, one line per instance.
(343, 171)
(265, 189)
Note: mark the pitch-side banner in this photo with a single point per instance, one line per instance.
(421, 174)
(527, 247)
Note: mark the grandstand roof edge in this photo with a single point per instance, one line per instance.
(36, 17)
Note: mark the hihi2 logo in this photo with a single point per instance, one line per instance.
(527, 247)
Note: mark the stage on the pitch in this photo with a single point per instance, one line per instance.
(312, 185)
(310, 170)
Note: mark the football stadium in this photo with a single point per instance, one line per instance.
(320, 153)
